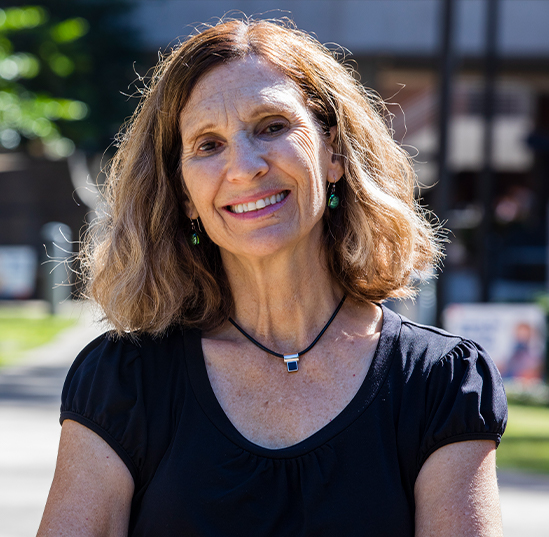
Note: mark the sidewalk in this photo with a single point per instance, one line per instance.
(29, 436)
(29, 425)
(524, 504)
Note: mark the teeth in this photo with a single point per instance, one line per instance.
(259, 204)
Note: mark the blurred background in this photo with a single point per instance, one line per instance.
(466, 84)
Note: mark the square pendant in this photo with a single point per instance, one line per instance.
(291, 361)
(292, 367)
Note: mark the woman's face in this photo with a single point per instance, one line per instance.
(254, 161)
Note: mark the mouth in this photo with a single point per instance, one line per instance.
(258, 204)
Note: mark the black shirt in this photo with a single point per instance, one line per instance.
(196, 475)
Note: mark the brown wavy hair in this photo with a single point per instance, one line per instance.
(138, 263)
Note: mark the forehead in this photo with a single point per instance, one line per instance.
(244, 84)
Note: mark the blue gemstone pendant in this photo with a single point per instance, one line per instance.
(195, 239)
(292, 367)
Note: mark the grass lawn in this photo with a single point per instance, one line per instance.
(20, 333)
(525, 444)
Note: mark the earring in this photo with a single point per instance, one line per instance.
(195, 239)
(333, 200)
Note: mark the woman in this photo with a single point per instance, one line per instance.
(258, 208)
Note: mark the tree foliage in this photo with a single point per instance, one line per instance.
(23, 113)
(64, 70)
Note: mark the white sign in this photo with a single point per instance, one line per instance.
(513, 335)
(17, 271)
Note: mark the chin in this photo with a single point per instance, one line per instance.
(262, 244)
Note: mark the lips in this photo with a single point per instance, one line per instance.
(258, 204)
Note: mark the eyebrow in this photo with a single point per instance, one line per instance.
(195, 133)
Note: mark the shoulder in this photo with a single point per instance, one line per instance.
(111, 369)
(446, 388)
(128, 390)
(437, 370)
(138, 350)
(421, 346)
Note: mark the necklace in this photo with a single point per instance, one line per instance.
(291, 359)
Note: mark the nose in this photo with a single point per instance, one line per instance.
(246, 159)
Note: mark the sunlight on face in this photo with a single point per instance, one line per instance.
(254, 161)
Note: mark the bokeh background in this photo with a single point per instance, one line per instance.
(466, 85)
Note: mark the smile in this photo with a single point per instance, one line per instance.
(259, 204)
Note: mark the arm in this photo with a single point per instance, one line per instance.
(456, 492)
(92, 488)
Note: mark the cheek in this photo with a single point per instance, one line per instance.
(309, 154)
(305, 144)
(307, 151)
(202, 196)
(200, 186)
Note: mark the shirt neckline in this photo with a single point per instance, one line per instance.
(367, 392)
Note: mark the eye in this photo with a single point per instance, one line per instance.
(208, 146)
(275, 127)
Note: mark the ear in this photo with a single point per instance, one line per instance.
(335, 167)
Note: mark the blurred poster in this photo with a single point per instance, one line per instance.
(17, 271)
(513, 334)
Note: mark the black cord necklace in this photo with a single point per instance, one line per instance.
(291, 359)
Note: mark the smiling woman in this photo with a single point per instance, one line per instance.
(258, 212)
(144, 272)
(248, 136)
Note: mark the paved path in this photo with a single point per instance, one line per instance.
(524, 504)
(29, 426)
(29, 435)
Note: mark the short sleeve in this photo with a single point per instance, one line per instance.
(464, 400)
(103, 392)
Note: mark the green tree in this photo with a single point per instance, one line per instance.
(82, 55)
(23, 113)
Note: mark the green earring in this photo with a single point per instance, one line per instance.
(195, 239)
(333, 200)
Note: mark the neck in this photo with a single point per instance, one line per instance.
(282, 302)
